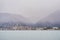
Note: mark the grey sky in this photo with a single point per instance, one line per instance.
(32, 9)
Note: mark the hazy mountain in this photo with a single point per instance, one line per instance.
(5, 17)
(52, 19)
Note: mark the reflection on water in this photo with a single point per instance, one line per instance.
(30, 35)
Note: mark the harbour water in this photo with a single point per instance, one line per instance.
(30, 35)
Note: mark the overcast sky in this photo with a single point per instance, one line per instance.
(32, 9)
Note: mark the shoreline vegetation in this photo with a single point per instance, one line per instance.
(29, 28)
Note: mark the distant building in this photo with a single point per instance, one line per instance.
(39, 28)
(14, 28)
(55, 28)
(45, 28)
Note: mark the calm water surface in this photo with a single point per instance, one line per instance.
(29, 35)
